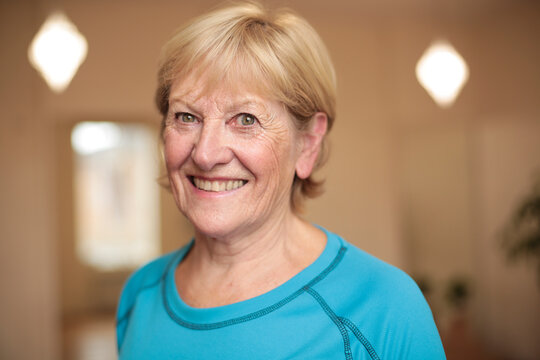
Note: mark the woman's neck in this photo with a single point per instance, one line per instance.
(222, 271)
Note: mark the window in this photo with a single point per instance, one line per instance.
(116, 195)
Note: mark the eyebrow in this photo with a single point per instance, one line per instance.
(178, 100)
(233, 107)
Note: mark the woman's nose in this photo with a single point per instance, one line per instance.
(211, 148)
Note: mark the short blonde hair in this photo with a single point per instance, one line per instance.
(247, 42)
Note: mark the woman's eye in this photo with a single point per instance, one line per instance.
(185, 117)
(246, 119)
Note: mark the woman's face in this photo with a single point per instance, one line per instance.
(230, 157)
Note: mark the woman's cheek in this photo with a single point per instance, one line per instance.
(176, 151)
(264, 155)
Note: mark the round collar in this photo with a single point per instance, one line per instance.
(216, 317)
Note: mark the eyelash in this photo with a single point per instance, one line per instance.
(188, 118)
(182, 115)
(238, 118)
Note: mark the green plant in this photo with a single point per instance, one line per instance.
(457, 292)
(424, 283)
(521, 237)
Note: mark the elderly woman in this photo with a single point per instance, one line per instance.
(247, 98)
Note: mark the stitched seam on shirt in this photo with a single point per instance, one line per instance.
(128, 312)
(146, 287)
(360, 337)
(256, 314)
(336, 320)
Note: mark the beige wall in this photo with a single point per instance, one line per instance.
(28, 278)
(421, 187)
(508, 162)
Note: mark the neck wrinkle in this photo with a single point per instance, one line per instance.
(227, 271)
(273, 240)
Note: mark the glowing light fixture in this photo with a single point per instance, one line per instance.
(91, 137)
(442, 72)
(57, 51)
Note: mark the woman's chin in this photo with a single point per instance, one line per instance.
(217, 228)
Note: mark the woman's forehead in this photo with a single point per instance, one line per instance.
(233, 89)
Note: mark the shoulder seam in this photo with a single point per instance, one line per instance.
(367, 345)
(145, 287)
(342, 323)
(128, 312)
(335, 319)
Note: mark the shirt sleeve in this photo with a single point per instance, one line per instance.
(409, 330)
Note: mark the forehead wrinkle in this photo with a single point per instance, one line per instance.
(227, 98)
(178, 100)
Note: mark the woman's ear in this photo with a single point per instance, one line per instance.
(311, 140)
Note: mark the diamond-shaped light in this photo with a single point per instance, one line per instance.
(442, 72)
(57, 51)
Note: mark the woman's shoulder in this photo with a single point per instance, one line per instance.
(146, 277)
(150, 272)
(376, 299)
(380, 282)
(362, 270)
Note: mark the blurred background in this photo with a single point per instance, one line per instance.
(448, 193)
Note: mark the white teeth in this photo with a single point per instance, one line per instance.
(217, 186)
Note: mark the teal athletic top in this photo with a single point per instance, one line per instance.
(345, 305)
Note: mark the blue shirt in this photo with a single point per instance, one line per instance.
(345, 305)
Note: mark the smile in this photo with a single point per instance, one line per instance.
(217, 185)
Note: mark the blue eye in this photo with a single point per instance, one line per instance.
(246, 119)
(185, 117)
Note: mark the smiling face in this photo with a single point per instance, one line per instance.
(231, 157)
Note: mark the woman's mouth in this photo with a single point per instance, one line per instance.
(216, 185)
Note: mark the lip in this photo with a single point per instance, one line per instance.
(216, 185)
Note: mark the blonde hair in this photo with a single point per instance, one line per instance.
(247, 42)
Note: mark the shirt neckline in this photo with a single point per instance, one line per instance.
(216, 317)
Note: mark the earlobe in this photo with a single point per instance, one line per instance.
(311, 145)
